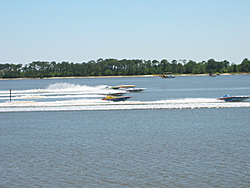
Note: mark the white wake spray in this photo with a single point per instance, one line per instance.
(66, 96)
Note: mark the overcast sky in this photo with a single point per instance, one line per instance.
(83, 30)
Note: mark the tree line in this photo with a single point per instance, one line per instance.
(114, 67)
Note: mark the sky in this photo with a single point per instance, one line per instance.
(82, 30)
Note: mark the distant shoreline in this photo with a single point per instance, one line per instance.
(121, 76)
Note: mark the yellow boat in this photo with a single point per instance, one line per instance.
(116, 99)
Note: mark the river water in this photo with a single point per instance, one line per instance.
(59, 133)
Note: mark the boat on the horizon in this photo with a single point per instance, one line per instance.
(116, 98)
(229, 98)
(166, 75)
(214, 75)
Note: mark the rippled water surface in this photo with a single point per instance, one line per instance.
(59, 133)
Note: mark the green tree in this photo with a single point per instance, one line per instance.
(245, 65)
(211, 66)
(190, 66)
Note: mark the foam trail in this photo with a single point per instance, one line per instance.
(65, 96)
(57, 90)
(115, 107)
(97, 104)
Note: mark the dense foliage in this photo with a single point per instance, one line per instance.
(114, 67)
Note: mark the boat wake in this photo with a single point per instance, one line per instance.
(69, 97)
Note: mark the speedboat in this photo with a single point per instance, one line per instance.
(114, 87)
(122, 86)
(135, 89)
(117, 94)
(229, 98)
(116, 99)
(126, 86)
(114, 93)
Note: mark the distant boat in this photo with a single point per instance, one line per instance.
(116, 99)
(131, 90)
(229, 98)
(166, 75)
(212, 75)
